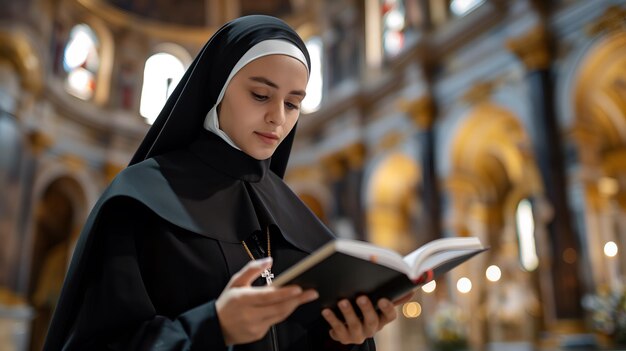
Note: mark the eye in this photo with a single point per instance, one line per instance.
(291, 106)
(259, 97)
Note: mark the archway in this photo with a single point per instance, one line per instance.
(55, 232)
(392, 202)
(599, 131)
(492, 170)
(391, 210)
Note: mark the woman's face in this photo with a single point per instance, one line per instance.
(262, 104)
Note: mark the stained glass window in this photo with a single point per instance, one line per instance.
(393, 22)
(81, 61)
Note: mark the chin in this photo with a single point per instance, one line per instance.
(260, 156)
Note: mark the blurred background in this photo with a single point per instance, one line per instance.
(502, 119)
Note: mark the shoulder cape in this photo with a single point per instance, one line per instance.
(187, 190)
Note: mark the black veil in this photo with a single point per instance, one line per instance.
(182, 117)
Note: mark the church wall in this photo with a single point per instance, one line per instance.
(489, 61)
(363, 122)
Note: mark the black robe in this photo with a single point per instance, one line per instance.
(162, 243)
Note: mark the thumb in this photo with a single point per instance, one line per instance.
(250, 272)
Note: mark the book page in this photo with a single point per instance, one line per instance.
(373, 253)
(442, 258)
(452, 247)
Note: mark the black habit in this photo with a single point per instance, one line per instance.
(164, 239)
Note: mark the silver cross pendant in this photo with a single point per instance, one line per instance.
(267, 274)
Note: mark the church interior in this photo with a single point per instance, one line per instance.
(500, 119)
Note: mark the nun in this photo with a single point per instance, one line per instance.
(180, 250)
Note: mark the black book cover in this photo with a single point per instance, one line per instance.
(341, 275)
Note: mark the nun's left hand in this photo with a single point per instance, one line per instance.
(355, 330)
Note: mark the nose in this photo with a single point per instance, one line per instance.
(276, 114)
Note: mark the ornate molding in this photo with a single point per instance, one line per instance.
(614, 162)
(335, 166)
(613, 19)
(168, 32)
(39, 141)
(111, 169)
(348, 158)
(421, 111)
(74, 163)
(225, 10)
(390, 141)
(16, 47)
(479, 92)
(355, 155)
(532, 48)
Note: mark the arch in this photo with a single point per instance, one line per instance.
(490, 149)
(162, 72)
(55, 230)
(20, 51)
(391, 200)
(598, 92)
(599, 105)
(175, 50)
(491, 169)
(83, 198)
(154, 29)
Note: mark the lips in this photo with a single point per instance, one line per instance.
(268, 137)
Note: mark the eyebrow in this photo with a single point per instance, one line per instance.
(275, 86)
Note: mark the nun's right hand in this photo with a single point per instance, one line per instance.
(247, 312)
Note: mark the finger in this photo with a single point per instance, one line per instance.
(278, 312)
(250, 272)
(267, 295)
(355, 326)
(272, 297)
(370, 317)
(388, 312)
(338, 328)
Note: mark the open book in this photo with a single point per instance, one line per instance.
(346, 268)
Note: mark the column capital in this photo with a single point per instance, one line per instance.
(479, 92)
(335, 166)
(74, 162)
(389, 141)
(532, 48)
(611, 20)
(111, 169)
(39, 141)
(355, 155)
(421, 110)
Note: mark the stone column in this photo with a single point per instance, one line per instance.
(336, 171)
(422, 112)
(355, 155)
(534, 50)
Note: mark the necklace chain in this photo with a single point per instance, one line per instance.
(267, 273)
(269, 248)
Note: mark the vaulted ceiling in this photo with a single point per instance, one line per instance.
(197, 12)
